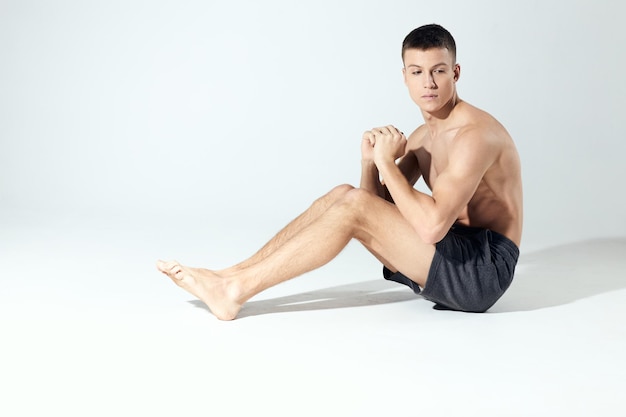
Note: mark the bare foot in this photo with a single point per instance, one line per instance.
(208, 286)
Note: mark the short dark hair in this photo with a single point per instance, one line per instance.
(428, 37)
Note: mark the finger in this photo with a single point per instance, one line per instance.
(384, 130)
(395, 131)
(369, 136)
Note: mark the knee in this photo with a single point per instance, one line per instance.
(357, 200)
(352, 208)
(348, 198)
(336, 194)
(341, 190)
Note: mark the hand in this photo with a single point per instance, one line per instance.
(367, 147)
(388, 142)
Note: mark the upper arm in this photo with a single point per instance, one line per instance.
(469, 158)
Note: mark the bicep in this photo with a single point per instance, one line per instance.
(451, 194)
(457, 184)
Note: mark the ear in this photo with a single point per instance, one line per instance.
(404, 75)
(457, 72)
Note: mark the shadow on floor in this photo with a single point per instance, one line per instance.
(564, 274)
(358, 294)
(544, 278)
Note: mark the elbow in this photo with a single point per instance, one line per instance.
(432, 233)
(429, 240)
(432, 238)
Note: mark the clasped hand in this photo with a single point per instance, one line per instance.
(383, 144)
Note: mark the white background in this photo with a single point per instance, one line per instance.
(131, 131)
(227, 113)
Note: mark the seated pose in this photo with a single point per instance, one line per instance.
(457, 246)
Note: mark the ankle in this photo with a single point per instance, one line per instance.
(234, 290)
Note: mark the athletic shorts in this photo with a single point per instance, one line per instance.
(471, 269)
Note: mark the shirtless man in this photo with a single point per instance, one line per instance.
(457, 246)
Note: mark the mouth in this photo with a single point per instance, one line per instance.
(429, 96)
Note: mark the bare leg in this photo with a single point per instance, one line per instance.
(358, 214)
(316, 209)
(208, 285)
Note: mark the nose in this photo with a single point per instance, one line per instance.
(429, 81)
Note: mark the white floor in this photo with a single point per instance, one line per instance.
(90, 328)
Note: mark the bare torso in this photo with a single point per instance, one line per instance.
(497, 201)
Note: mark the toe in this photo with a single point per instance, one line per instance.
(160, 265)
(171, 268)
(176, 272)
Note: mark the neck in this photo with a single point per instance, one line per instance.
(435, 121)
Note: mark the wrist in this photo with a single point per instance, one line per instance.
(368, 164)
(384, 164)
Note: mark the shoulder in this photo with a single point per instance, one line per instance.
(479, 140)
(416, 138)
(478, 130)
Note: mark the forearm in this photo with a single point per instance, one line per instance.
(370, 179)
(418, 208)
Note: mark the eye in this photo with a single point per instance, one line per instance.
(416, 72)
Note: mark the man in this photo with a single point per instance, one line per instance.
(458, 246)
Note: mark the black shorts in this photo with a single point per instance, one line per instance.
(471, 269)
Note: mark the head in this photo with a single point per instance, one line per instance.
(430, 37)
(430, 67)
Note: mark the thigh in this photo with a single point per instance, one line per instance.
(388, 235)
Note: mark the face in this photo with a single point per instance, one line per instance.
(431, 77)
